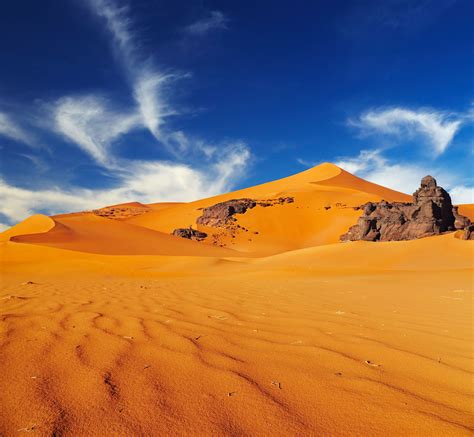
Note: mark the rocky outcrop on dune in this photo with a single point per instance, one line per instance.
(468, 233)
(122, 212)
(221, 214)
(190, 234)
(431, 213)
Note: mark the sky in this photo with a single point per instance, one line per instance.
(109, 101)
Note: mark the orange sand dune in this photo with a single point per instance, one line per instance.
(32, 225)
(117, 328)
(162, 205)
(90, 233)
(467, 210)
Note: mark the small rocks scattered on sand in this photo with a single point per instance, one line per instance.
(190, 234)
(121, 212)
(371, 363)
(277, 384)
(27, 428)
(431, 213)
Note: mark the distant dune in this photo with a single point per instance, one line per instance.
(110, 325)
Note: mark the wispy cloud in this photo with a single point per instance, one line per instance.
(148, 93)
(437, 128)
(11, 129)
(213, 21)
(88, 122)
(306, 163)
(119, 25)
(146, 81)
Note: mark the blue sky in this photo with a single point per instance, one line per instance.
(108, 101)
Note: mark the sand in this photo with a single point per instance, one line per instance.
(291, 335)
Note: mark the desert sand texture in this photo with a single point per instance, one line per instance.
(111, 326)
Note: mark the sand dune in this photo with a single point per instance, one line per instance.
(32, 225)
(324, 197)
(94, 234)
(115, 327)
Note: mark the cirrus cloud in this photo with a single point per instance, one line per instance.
(437, 128)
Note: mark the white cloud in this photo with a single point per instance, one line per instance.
(147, 83)
(366, 160)
(214, 20)
(305, 163)
(119, 25)
(88, 122)
(11, 129)
(144, 181)
(462, 194)
(4, 227)
(153, 107)
(436, 127)
(374, 167)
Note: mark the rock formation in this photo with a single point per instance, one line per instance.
(190, 234)
(468, 233)
(220, 214)
(431, 213)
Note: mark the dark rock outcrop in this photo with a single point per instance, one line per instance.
(468, 233)
(220, 214)
(460, 221)
(431, 213)
(190, 234)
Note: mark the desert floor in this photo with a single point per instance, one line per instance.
(92, 345)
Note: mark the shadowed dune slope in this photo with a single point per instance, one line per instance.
(90, 233)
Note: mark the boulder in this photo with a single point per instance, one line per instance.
(468, 233)
(431, 213)
(190, 234)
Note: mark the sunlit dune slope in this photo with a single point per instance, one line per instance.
(32, 225)
(324, 197)
(467, 210)
(90, 233)
(438, 253)
(158, 206)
